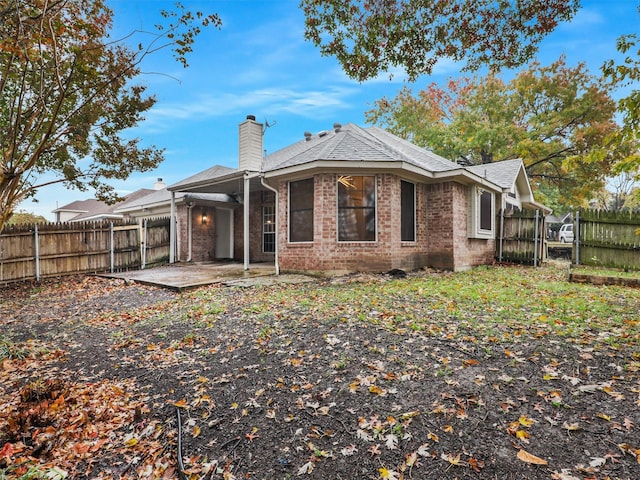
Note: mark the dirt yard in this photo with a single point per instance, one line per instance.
(362, 377)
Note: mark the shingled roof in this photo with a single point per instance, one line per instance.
(356, 144)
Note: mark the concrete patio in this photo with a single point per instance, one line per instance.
(181, 276)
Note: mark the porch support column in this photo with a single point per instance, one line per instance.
(245, 232)
(172, 229)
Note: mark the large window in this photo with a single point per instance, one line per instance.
(301, 211)
(269, 229)
(407, 211)
(356, 208)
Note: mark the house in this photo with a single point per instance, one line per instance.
(95, 210)
(351, 199)
(197, 239)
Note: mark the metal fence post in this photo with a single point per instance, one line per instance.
(36, 239)
(576, 238)
(111, 247)
(144, 244)
(501, 234)
(535, 240)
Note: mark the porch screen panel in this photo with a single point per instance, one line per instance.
(301, 210)
(356, 208)
(407, 211)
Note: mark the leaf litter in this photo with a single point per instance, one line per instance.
(501, 372)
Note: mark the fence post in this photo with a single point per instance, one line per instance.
(144, 244)
(111, 247)
(36, 239)
(535, 240)
(576, 238)
(501, 234)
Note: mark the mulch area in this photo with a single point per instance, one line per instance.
(93, 372)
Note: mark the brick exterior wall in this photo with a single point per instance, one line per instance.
(202, 236)
(257, 200)
(441, 231)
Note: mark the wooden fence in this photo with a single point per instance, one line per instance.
(610, 239)
(55, 249)
(521, 237)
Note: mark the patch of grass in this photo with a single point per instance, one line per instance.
(604, 271)
(10, 350)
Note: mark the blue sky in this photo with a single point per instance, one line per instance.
(258, 63)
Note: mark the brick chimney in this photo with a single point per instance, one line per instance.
(250, 145)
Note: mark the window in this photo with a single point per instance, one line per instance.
(482, 213)
(356, 208)
(269, 229)
(407, 211)
(486, 212)
(301, 211)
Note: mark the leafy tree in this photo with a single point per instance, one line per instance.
(557, 118)
(23, 217)
(67, 95)
(627, 75)
(369, 37)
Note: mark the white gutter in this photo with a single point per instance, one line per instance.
(245, 202)
(172, 229)
(190, 229)
(275, 191)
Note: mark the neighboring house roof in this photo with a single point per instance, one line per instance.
(92, 209)
(79, 206)
(162, 198)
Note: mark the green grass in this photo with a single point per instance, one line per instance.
(604, 271)
(488, 303)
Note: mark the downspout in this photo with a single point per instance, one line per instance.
(190, 229)
(245, 200)
(172, 229)
(275, 191)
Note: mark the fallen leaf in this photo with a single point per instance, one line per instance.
(528, 458)
(388, 474)
(452, 460)
(525, 422)
(570, 426)
(307, 468)
(411, 459)
(349, 450)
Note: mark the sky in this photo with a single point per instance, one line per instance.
(259, 64)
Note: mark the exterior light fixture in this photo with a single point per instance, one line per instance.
(204, 219)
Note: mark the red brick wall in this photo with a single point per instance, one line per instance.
(203, 238)
(255, 231)
(326, 253)
(441, 231)
(467, 252)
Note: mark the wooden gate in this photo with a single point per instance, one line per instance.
(521, 237)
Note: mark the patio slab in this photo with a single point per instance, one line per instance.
(182, 276)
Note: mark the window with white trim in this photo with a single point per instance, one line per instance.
(482, 213)
(356, 208)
